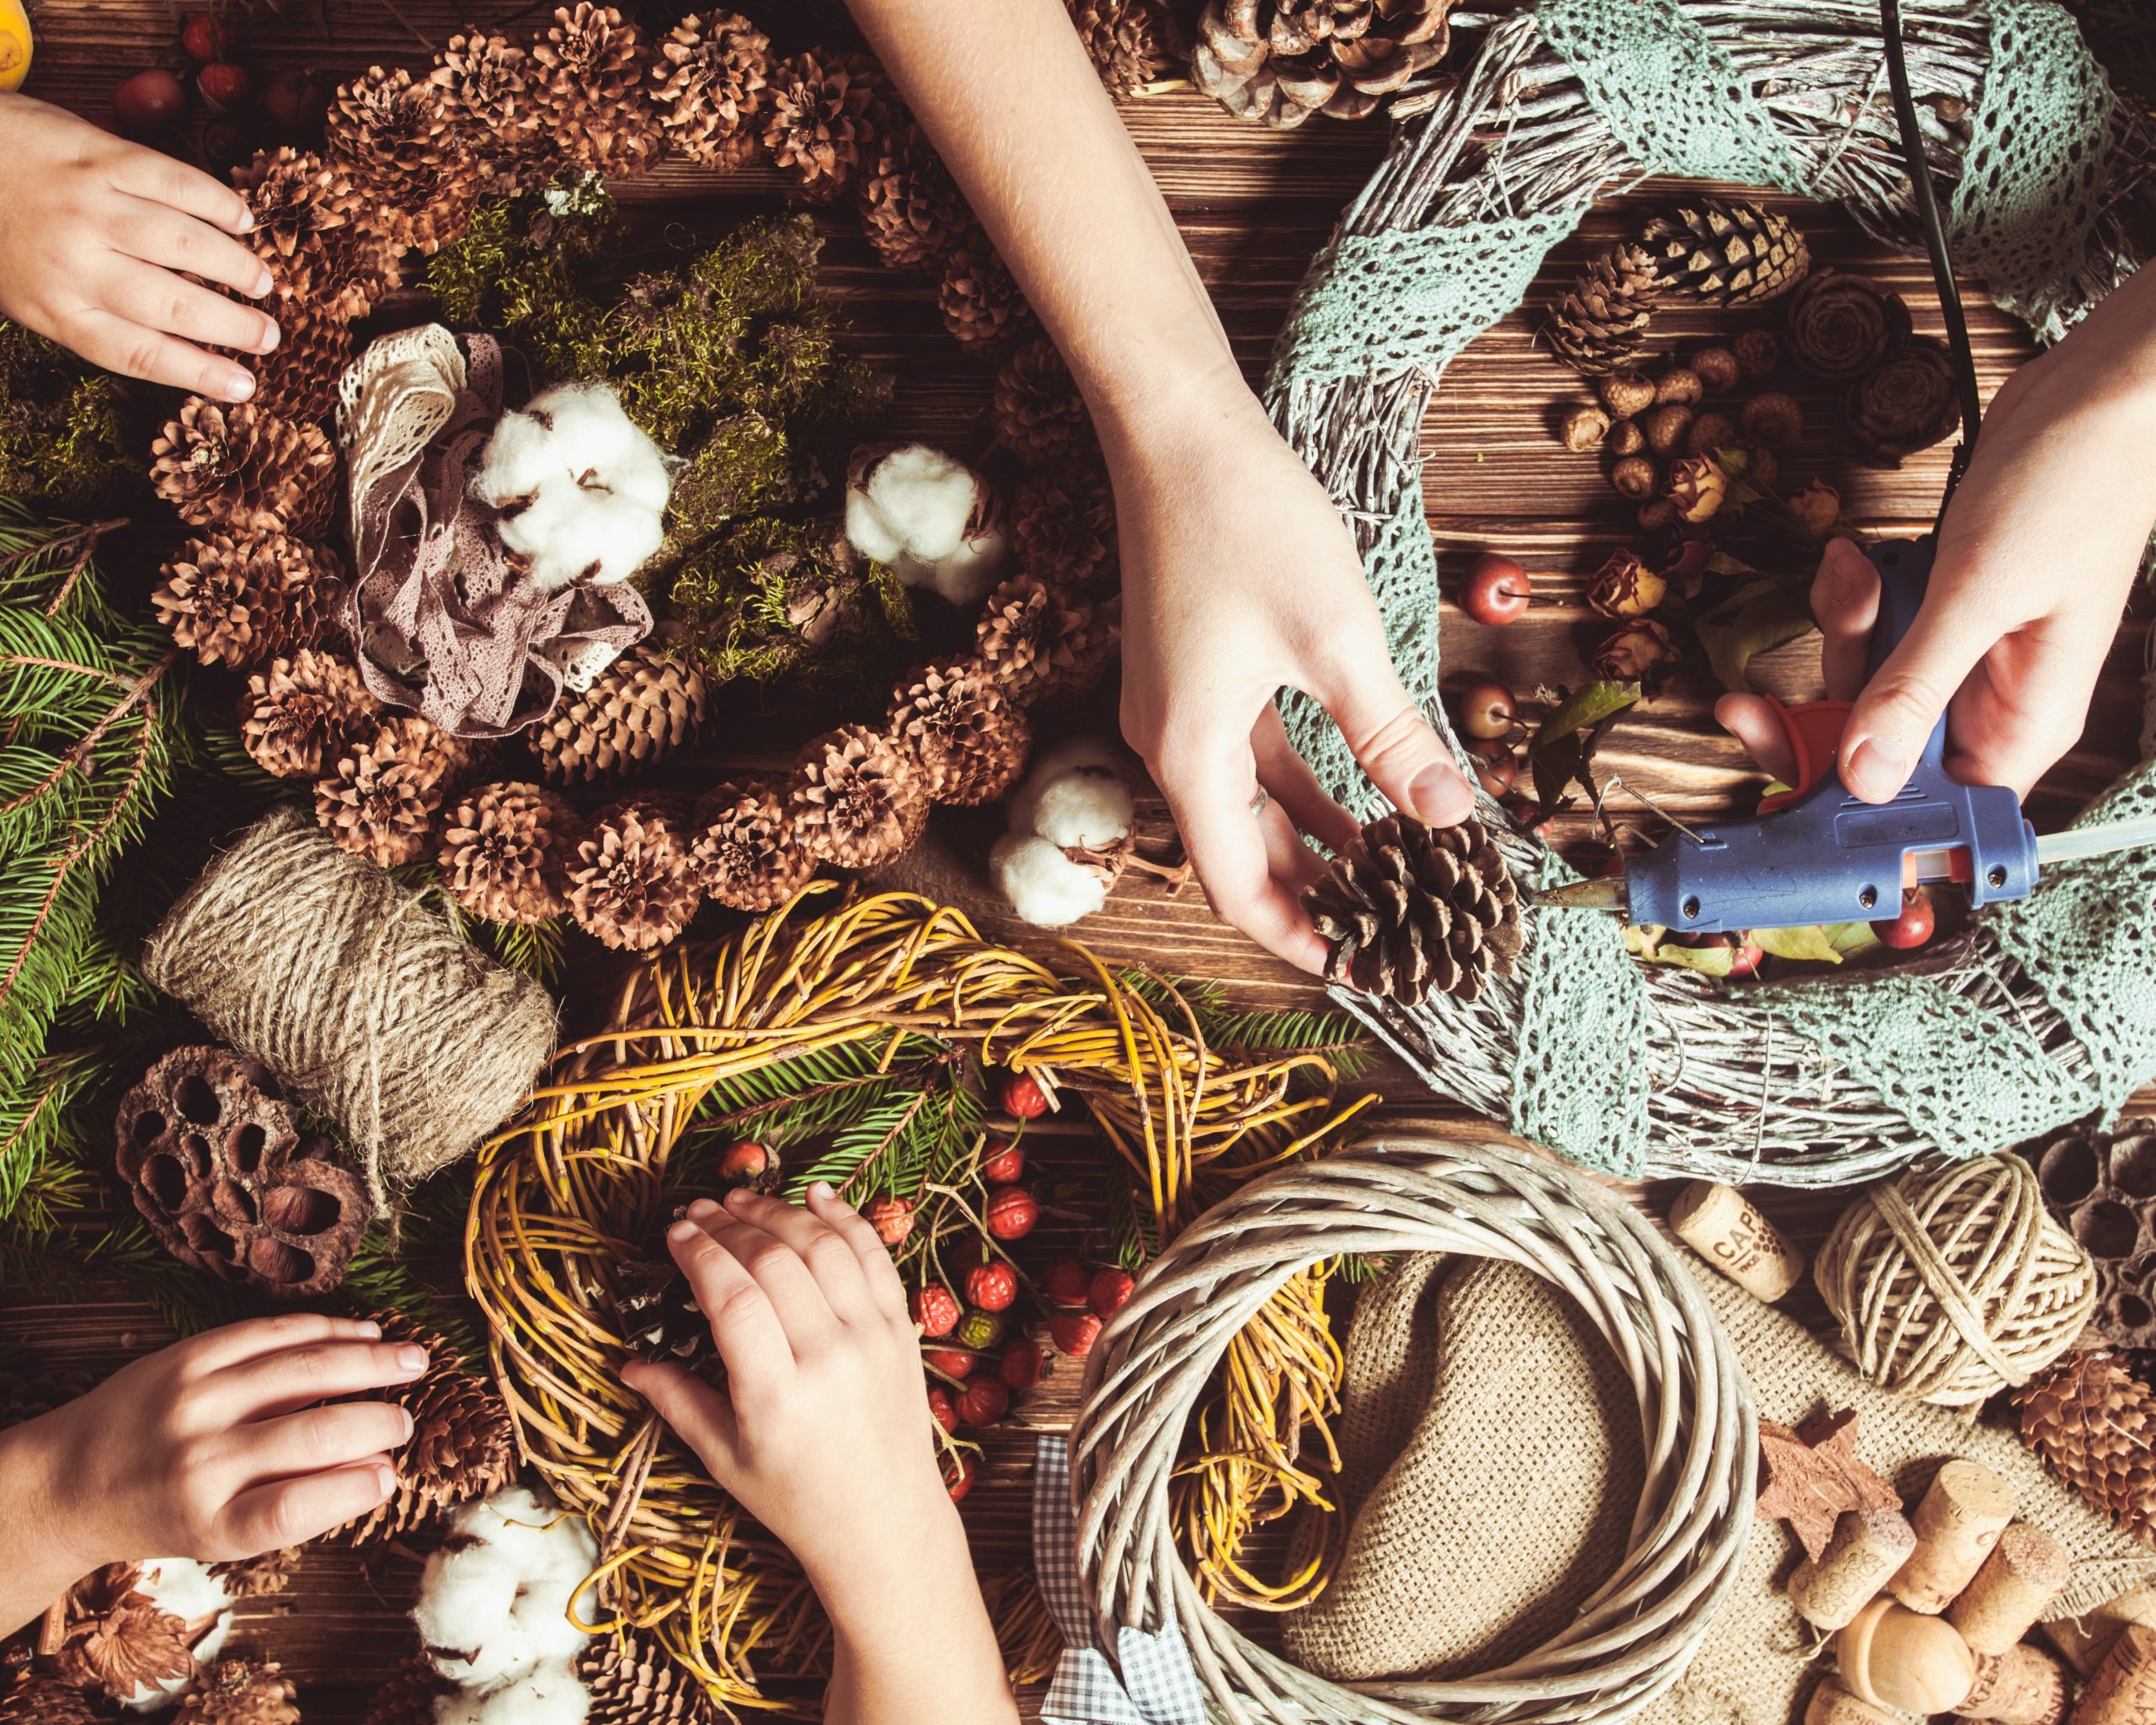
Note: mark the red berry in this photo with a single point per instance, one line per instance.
(1110, 1289)
(1001, 1163)
(1497, 765)
(1066, 1282)
(1074, 1332)
(984, 1402)
(1913, 927)
(1020, 1368)
(1022, 1097)
(1746, 962)
(1488, 710)
(1496, 590)
(963, 1254)
(206, 37)
(225, 87)
(892, 1218)
(950, 1361)
(941, 1408)
(148, 101)
(1013, 1213)
(979, 1330)
(991, 1286)
(296, 100)
(935, 1309)
(958, 1477)
(744, 1160)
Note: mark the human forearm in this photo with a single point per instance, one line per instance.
(42, 1551)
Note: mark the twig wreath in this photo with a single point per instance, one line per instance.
(1633, 1637)
(2044, 1013)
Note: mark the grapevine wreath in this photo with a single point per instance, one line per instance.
(2044, 1013)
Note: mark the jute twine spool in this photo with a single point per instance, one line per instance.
(366, 1006)
(1952, 1286)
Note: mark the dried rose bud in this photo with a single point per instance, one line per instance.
(1758, 351)
(1624, 587)
(1634, 476)
(1710, 432)
(1625, 438)
(1818, 507)
(1716, 369)
(1697, 486)
(1627, 394)
(1638, 653)
(1680, 384)
(1667, 427)
(1583, 429)
(1774, 418)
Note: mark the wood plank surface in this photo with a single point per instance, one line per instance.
(1253, 205)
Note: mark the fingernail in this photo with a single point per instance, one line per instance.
(370, 1330)
(239, 386)
(385, 1478)
(738, 1197)
(683, 1231)
(271, 335)
(1876, 771)
(264, 282)
(703, 1207)
(821, 1189)
(246, 220)
(1439, 795)
(410, 1424)
(412, 1357)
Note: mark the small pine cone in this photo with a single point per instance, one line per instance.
(638, 708)
(744, 853)
(272, 1571)
(968, 739)
(1039, 414)
(309, 228)
(243, 469)
(824, 114)
(592, 91)
(380, 800)
(303, 713)
(633, 1680)
(462, 1444)
(505, 850)
(1038, 641)
(709, 87)
(390, 134)
(297, 379)
(631, 887)
(40, 1699)
(2095, 1424)
(409, 1697)
(911, 208)
(1130, 42)
(1601, 322)
(1907, 403)
(856, 799)
(1063, 526)
(1411, 910)
(980, 302)
(1726, 253)
(1841, 326)
(484, 87)
(240, 1692)
(1279, 61)
(237, 599)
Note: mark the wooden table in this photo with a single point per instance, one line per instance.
(1253, 206)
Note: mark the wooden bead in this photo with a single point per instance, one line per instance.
(2023, 1685)
(1893, 1657)
(1832, 1704)
(2023, 1574)
(1957, 1524)
(2123, 1691)
(1868, 1545)
(1725, 1228)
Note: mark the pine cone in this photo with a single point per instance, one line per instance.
(483, 86)
(27, 1396)
(1063, 526)
(1601, 322)
(1038, 641)
(1039, 414)
(1282, 61)
(297, 379)
(911, 208)
(710, 88)
(2095, 1424)
(633, 1680)
(462, 1444)
(311, 228)
(303, 713)
(116, 1641)
(631, 887)
(1907, 403)
(256, 1577)
(381, 799)
(980, 302)
(639, 708)
(1726, 253)
(238, 599)
(1411, 909)
(407, 1698)
(591, 92)
(1842, 325)
(391, 136)
(240, 468)
(240, 1692)
(505, 850)
(856, 800)
(38, 1699)
(825, 113)
(968, 739)
(745, 854)
(1130, 42)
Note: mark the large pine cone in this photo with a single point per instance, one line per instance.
(1411, 910)
(969, 739)
(1726, 253)
(391, 136)
(462, 1444)
(980, 299)
(1038, 413)
(590, 91)
(38, 1699)
(245, 470)
(240, 1692)
(710, 87)
(1909, 403)
(303, 713)
(483, 83)
(910, 207)
(382, 798)
(633, 1680)
(1039, 641)
(1601, 322)
(856, 799)
(824, 113)
(1841, 325)
(505, 853)
(744, 854)
(313, 228)
(2095, 1424)
(636, 711)
(409, 1697)
(631, 886)
(239, 599)
(1130, 42)
(213, 1157)
(297, 379)
(1282, 61)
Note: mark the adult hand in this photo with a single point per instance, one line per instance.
(1239, 578)
(1845, 601)
(100, 236)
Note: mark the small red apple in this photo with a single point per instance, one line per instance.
(1495, 590)
(1487, 710)
(148, 102)
(226, 87)
(1497, 768)
(1913, 927)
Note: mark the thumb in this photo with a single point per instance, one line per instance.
(1894, 715)
(1394, 744)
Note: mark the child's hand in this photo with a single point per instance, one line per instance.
(99, 237)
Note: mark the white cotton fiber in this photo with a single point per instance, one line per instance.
(547, 1694)
(493, 1606)
(930, 517)
(1075, 796)
(965, 576)
(583, 490)
(1044, 886)
(600, 444)
(569, 534)
(517, 457)
(870, 534)
(925, 498)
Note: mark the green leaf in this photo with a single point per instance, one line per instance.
(1853, 940)
(1756, 618)
(1709, 961)
(1809, 945)
(1558, 748)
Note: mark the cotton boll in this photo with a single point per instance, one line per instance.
(966, 575)
(1044, 886)
(925, 498)
(568, 533)
(870, 534)
(547, 1694)
(495, 1605)
(518, 457)
(1075, 795)
(598, 444)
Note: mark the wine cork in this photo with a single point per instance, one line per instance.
(2023, 1685)
(1725, 1227)
(2023, 1574)
(1893, 1657)
(1868, 1545)
(1832, 1704)
(2082, 1641)
(1957, 1524)
(2123, 1689)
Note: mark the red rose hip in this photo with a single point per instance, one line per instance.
(744, 1160)
(991, 1286)
(1013, 1213)
(1066, 1282)
(1109, 1290)
(892, 1218)
(941, 1408)
(935, 1309)
(958, 1477)
(951, 1362)
(1496, 590)
(1074, 1332)
(984, 1402)
(1001, 1163)
(1022, 1097)
(1020, 1367)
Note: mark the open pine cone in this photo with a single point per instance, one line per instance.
(744, 854)
(1130, 42)
(1411, 910)
(969, 739)
(389, 132)
(271, 1572)
(39, 1699)
(1282, 61)
(631, 886)
(380, 800)
(2095, 1424)
(590, 90)
(910, 207)
(1038, 413)
(505, 852)
(213, 1157)
(1039, 641)
(633, 1680)
(1841, 325)
(980, 299)
(239, 599)
(1063, 526)
(856, 799)
(462, 1444)
(1727, 252)
(239, 469)
(409, 1697)
(636, 711)
(303, 713)
(1600, 323)
(1908, 402)
(313, 228)
(482, 87)
(710, 82)
(297, 379)
(240, 1692)
(822, 113)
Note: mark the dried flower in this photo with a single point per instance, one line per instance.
(1638, 653)
(1818, 507)
(1624, 587)
(1697, 486)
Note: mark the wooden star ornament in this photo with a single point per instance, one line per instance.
(1813, 1478)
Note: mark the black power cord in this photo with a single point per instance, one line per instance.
(1935, 241)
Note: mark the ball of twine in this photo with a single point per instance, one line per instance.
(1952, 1286)
(368, 1006)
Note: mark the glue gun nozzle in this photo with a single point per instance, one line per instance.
(1606, 894)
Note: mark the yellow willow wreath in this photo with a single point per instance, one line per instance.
(579, 1184)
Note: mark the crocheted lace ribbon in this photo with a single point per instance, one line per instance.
(1378, 310)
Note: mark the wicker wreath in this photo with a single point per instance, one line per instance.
(1633, 1638)
(1673, 1074)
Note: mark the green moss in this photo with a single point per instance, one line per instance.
(774, 598)
(63, 444)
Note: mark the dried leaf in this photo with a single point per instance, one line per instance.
(1756, 618)
(1560, 748)
(1708, 961)
(1809, 945)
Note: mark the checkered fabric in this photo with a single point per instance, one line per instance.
(1158, 1685)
